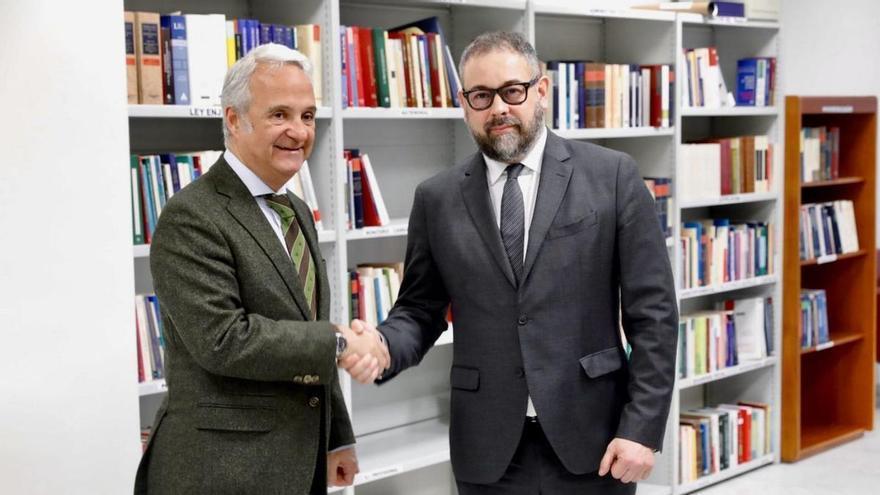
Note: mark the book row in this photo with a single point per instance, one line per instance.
(814, 318)
(716, 251)
(712, 440)
(150, 338)
(725, 166)
(156, 178)
(406, 66)
(704, 85)
(714, 340)
(601, 95)
(820, 153)
(827, 229)
(181, 59)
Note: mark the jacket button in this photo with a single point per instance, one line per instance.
(314, 402)
(297, 380)
(520, 372)
(522, 320)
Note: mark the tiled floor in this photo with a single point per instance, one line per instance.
(850, 469)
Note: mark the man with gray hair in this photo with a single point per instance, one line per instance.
(253, 403)
(540, 244)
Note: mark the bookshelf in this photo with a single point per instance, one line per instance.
(828, 389)
(402, 426)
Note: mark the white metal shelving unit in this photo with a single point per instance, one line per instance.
(402, 426)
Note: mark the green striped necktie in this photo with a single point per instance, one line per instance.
(297, 247)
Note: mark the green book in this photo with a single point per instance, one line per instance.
(381, 68)
(137, 219)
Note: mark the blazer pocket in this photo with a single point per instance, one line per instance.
(587, 220)
(229, 417)
(602, 362)
(464, 378)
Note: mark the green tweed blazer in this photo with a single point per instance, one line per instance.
(253, 392)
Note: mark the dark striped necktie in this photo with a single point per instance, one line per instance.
(297, 247)
(513, 220)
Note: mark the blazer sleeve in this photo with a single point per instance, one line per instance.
(419, 314)
(648, 307)
(194, 274)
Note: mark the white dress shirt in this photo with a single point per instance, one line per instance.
(528, 183)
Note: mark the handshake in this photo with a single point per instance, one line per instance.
(366, 354)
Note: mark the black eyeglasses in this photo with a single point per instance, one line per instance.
(512, 94)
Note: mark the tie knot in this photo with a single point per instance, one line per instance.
(279, 199)
(282, 206)
(514, 170)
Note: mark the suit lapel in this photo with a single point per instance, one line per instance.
(243, 207)
(475, 191)
(555, 174)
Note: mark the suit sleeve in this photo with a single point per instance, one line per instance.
(418, 316)
(648, 307)
(341, 432)
(194, 274)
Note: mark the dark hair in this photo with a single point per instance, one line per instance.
(500, 40)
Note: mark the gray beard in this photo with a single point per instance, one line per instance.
(510, 147)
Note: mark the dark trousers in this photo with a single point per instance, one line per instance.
(536, 470)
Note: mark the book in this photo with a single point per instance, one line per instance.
(131, 66)
(179, 70)
(149, 60)
(206, 57)
(375, 212)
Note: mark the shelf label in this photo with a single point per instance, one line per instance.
(837, 109)
(421, 112)
(205, 111)
(382, 473)
(826, 345)
(828, 258)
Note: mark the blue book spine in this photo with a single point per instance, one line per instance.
(265, 33)
(156, 169)
(730, 9)
(377, 293)
(278, 34)
(451, 71)
(746, 79)
(147, 191)
(157, 338)
(179, 60)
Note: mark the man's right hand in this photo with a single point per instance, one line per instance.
(365, 356)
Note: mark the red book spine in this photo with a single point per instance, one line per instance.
(368, 57)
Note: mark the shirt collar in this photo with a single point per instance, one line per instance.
(252, 181)
(532, 160)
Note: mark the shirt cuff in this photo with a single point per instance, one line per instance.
(344, 447)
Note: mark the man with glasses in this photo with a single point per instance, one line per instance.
(541, 245)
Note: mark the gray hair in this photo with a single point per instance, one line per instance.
(500, 40)
(236, 86)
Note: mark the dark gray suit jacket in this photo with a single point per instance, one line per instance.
(595, 246)
(251, 383)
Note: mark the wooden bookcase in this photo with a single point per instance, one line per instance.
(828, 390)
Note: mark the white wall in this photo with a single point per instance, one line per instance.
(68, 392)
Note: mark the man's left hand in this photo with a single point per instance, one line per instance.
(342, 465)
(627, 461)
